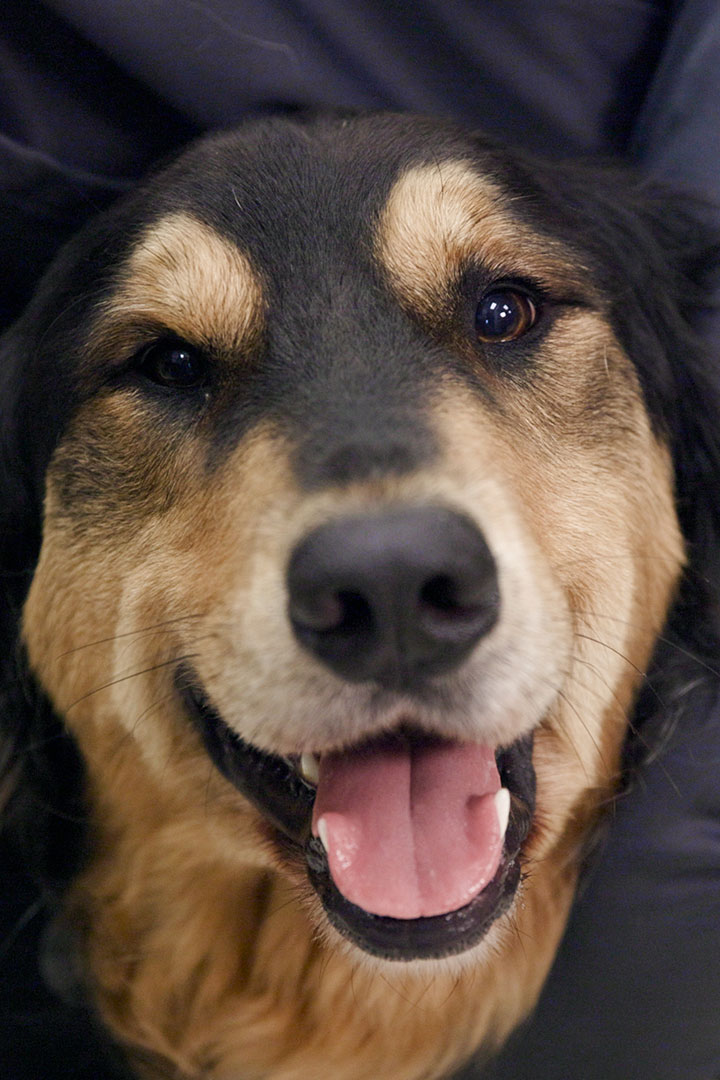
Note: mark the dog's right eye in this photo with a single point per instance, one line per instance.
(173, 364)
(504, 314)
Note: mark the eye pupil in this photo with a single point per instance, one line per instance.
(503, 315)
(173, 364)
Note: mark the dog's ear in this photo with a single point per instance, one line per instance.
(19, 509)
(661, 262)
(41, 774)
(664, 305)
(659, 255)
(681, 380)
(656, 256)
(37, 390)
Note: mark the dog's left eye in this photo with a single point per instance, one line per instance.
(174, 364)
(504, 314)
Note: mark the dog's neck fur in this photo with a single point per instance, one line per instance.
(215, 966)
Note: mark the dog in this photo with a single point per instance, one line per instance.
(359, 513)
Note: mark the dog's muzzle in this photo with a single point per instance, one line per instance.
(412, 841)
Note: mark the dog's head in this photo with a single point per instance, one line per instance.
(359, 442)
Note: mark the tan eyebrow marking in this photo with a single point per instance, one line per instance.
(187, 279)
(441, 217)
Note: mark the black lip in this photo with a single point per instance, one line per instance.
(272, 785)
(269, 782)
(427, 938)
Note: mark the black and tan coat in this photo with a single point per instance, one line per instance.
(309, 338)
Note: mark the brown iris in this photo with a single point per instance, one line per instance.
(504, 314)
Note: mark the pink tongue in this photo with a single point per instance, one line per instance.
(410, 831)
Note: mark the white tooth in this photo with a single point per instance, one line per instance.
(309, 768)
(323, 833)
(502, 808)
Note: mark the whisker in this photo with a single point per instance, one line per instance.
(150, 708)
(633, 557)
(451, 993)
(564, 697)
(599, 675)
(661, 638)
(643, 674)
(144, 630)
(616, 652)
(396, 990)
(15, 931)
(690, 655)
(636, 732)
(133, 675)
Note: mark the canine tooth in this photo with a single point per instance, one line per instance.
(502, 808)
(323, 833)
(309, 768)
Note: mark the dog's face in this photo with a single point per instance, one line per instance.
(357, 533)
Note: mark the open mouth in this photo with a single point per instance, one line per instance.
(413, 843)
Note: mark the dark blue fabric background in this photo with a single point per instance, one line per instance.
(93, 93)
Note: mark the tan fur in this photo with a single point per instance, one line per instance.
(186, 279)
(444, 216)
(205, 944)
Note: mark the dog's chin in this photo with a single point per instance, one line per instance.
(277, 788)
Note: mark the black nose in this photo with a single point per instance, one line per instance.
(393, 598)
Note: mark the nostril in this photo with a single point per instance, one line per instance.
(357, 614)
(456, 604)
(320, 612)
(441, 596)
(327, 612)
